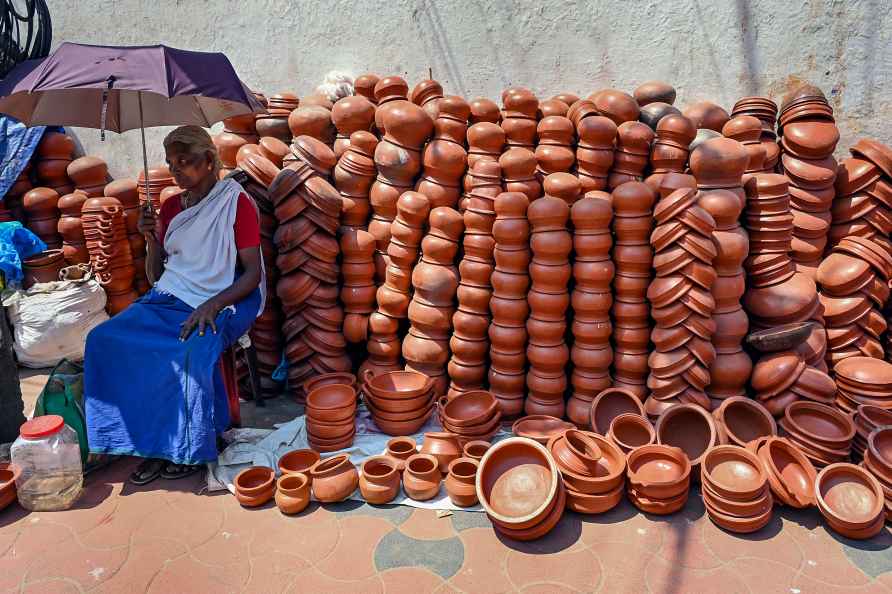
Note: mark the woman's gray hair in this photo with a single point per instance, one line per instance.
(197, 142)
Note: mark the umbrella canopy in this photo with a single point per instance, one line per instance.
(125, 88)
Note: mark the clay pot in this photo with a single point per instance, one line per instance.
(689, 428)
(460, 482)
(298, 462)
(445, 447)
(379, 482)
(659, 471)
(629, 431)
(254, 486)
(611, 403)
(397, 384)
(851, 500)
(400, 449)
(744, 420)
(421, 479)
(334, 479)
(475, 449)
(292, 493)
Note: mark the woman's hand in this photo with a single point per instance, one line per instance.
(203, 317)
(145, 224)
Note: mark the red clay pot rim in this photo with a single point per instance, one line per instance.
(286, 458)
(867, 478)
(742, 454)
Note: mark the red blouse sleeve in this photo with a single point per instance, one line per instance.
(169, 210)
(247, 224)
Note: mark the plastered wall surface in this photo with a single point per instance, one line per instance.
(718, 50)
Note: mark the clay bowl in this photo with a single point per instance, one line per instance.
(402, 427)
(330, 445)
(791, 468)
(326, 379)
(397, 384)
(330, 431)
(470, 408)
(749, 508)
(549, 521)
(402, 415)
(418, 403)
(298, 461)
(736, 524)
(629, 431)
(252, 485)
(652, 505)
(330, 415)
(849, 496)
(517, 483)
(475, 449)
(879, 445)
(659, 471)
(332, 397)
(744, 420)
(587, 503)
(689, 428)
(611, 403)
(540, 428)
(822, 424)
(780, 338)
(734, 473)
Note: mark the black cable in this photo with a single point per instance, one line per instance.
(24, 35)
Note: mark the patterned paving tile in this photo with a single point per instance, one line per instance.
(465, 520)
(397, 514)
(441, 557)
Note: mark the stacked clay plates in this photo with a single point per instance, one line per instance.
(851, 500)
(472, 416)
(863, 380)
(659, 478)
(331, 412)
(400, 401)
(735, 489)
(822, 432)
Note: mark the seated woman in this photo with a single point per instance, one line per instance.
(152, 381)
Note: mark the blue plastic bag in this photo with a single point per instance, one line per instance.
(17, 244)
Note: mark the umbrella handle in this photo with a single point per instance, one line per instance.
(110, 82)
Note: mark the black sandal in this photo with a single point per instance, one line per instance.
(177, 471)
(147, 471)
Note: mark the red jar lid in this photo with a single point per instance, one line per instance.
(41, 426)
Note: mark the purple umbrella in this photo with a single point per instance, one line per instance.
(124, 88)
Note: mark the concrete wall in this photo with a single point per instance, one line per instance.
(709, 49)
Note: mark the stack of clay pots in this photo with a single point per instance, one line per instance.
(237, 132)
(159, 179)
(350, 115)
(331, 417)
(633, 140)
(126, 192)
(89, 175)
(53, 155)
(106, 234)
(445, 158)
(549, 299)
(471, 416)
(308, 209)
(681, 303)
(633, 256)
(485, 142)
(70, 227)
(388, 91)
(659, 478)
(314, 119)
(41, 206)
(735, 489)
(867, 419)
(400, 402)
(398, 160)
(594, 151)
(266, 332)
(670, 148)
(747, 130)
(863, 204)
(353, 177)
(823, 433)
(394, 296)
(593, 272)
(519, 172)
(863, 380)
(718, 165)
(435, 281)
(592, 470)
(364, 86)
(509, 307)
(485, 110)
(554, 152)
(519, 486)
(617, 105)
(854, 282)
(765, 110)
(357, 282)
(470, 340)
(275, 121)
(809, 137)
(427, 94)
(782, 378)
(520, 108)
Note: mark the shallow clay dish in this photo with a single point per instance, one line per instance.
(824, 424)
(689, 428)
(780, 338)
(849, 496)
(517, 482)
(659, 471)
(791, 469)
(734, 473)
(744, 419)
(611, 403)
(586, 503)
(540, 428)
(470, 408)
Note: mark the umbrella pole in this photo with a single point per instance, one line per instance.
(145, 158)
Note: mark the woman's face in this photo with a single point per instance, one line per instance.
(188, 170)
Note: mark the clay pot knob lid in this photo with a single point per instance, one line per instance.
(555, 128)
(318, 152)
(678, 128)
(454, 107)
(635, 137)
(562, 185)
(390, 88)
(719, 162)
(413, 208)
(593, 212)
(743, 128)
(596, 132)
(654, 91)
(425, 91)
(407, 123)
(548, 213)
(553, 107)
(511, 205)
(484, 110)
(633, 198)
(616, 105)
(706, 114)
(364, 142)
(364, 85)
(448, 221)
